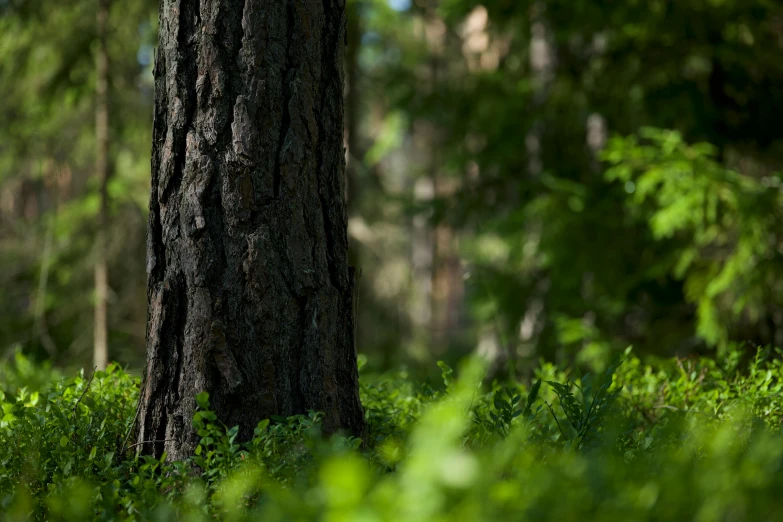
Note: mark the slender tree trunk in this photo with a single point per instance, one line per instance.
(100, 347)
(446, 284)
(445, 279)
(249, 291)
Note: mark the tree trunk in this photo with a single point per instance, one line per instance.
(249, 291)
(100, 346)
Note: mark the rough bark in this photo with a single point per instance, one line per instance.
(249, 291)
(100, 346)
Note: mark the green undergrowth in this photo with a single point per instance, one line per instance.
(693, 439)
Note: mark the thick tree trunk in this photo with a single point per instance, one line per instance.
(100, 346)
(250, 295)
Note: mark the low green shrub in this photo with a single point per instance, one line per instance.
(678, 440)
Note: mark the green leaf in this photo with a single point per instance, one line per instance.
(262, 426)
(533, 395)
(202, 399)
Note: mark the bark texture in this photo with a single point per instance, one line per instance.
(249, 291)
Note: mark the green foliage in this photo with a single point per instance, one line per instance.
(217, 452)
(49, 200)
(721, 225)
(666, 236)
(584, 414)
(488, 120)
(676, 440)
(518, 106)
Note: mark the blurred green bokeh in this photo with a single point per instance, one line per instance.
(683, 440)
(526, 178)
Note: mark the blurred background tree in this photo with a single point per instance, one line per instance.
(526, 178)
(49, 191)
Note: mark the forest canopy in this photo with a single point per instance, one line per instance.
(525, 179)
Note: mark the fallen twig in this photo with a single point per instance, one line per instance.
(130, 430)
(85, 389)
(149, 442)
